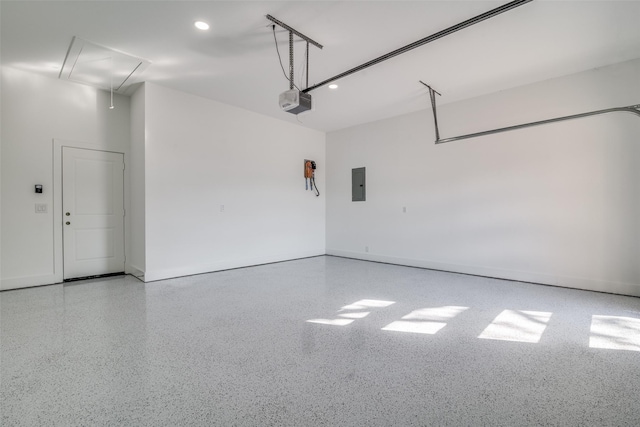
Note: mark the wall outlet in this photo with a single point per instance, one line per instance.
(221, 208)
(41, 208)
(404, 209)
(366, 248)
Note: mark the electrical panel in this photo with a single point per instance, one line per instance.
(358, 186)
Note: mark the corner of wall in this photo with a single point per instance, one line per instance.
(136, 262)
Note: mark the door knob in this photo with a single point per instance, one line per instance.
(68, 223)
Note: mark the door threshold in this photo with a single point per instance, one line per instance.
(97, 276)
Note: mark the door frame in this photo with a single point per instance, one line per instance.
(58, 251)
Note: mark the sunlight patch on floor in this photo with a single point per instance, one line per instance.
(415, 327)
(353, 313)
(615, 333)
(425, 320)
(516, 325)
(367, 303)
(332, 322)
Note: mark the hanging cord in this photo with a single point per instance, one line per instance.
(313, 179)
(307, 66)
(301, 72)
(279, 57)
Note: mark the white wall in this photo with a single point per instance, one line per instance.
(557, 204)
(201, 154)
(137, 170)
(35, 111)
(185, 157)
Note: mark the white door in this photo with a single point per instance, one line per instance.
(92, 212)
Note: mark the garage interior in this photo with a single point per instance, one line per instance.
(320, 213)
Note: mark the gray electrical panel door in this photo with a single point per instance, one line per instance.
(358, 193)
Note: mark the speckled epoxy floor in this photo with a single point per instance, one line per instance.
(235, 348)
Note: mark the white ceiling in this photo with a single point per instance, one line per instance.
(235, 62)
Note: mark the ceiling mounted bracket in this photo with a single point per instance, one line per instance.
(291, 60)
(294, 31)
(634, 109)
(309, 40)
(432, 95)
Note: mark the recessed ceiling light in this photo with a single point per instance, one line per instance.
(201, 25)
(333, 86)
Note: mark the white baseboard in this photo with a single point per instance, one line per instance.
(28, 281)
(632, 289)
(154, 275)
